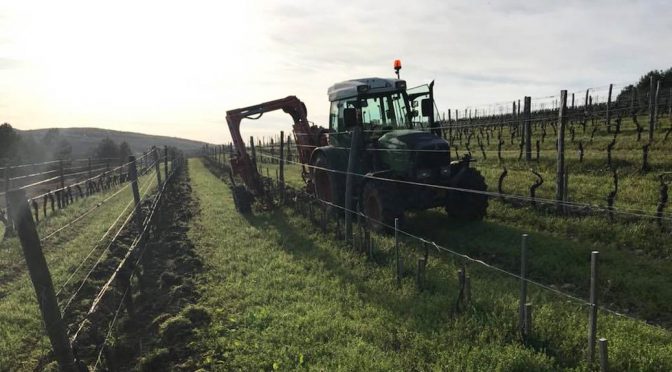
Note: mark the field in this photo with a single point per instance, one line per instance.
(222, 291)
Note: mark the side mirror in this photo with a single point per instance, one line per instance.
(350, 117)
(427, 107)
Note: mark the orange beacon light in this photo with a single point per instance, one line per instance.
(397, 66)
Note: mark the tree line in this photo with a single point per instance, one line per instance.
(16, 148)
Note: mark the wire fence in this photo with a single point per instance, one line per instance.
(79, 280)
(495, 195)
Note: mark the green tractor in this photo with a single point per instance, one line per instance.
(401, 162)
(401, 154)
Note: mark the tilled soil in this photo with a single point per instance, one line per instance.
(155, 323)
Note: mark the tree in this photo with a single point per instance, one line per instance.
(106, 149)
(642, 88)
(124, 151)
(9, 141)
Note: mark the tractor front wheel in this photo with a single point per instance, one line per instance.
(380, 204)
(465, 205)
(326, 180)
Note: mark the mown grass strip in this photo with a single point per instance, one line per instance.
(286, 297)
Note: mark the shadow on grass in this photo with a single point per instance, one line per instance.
(303, 245)
(555, 261)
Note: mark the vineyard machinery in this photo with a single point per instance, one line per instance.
(400, 161)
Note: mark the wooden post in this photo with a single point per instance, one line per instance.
(89, 168)
(572, 101)
(604, 355)
(157, 166)
(253, 151)
(467, 289)
(41, 278)
(420, 274)
(349, 186)
(592, 317)
(121, 170)
(669, 109)
(523, 284)
(527, 328)
(562, 121)
(518, 108)
(611, 86)
(655, 105)
(133, 177)
(527, 128)
(62, 176)
(165, 160)
(461, 275)
(652, 110)
(396, 250)
(281, 166)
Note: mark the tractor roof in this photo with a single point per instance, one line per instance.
(351, 88)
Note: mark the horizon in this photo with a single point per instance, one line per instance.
(77, 64)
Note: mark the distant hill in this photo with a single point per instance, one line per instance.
(84, 140)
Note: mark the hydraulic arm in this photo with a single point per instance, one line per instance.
(306, 137)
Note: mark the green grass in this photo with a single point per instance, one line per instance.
(22, 337)
(287, 297)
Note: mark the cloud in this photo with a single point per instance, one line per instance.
(189, 64)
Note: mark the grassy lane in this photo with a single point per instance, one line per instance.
(22, 336)
(635, 265)
(286, 297)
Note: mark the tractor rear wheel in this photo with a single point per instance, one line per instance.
(381, 205)
(327, 186)
(468, 206)
(242, 199)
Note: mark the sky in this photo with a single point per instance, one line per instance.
(175, 68)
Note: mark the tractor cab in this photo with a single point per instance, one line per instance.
(379, 105)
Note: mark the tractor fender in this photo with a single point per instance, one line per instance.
(336, 157)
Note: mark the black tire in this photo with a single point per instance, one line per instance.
(380, 202)
(242, 199)
(468, 206)
(327, 183)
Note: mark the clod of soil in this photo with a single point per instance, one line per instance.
(175, 329)
(156, 323)
(169, 279)
(198, 315)
(156, 361)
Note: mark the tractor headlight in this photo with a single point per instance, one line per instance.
(445, 171)
(424, 173)
(362, 88)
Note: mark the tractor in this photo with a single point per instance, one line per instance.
(402, 162)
